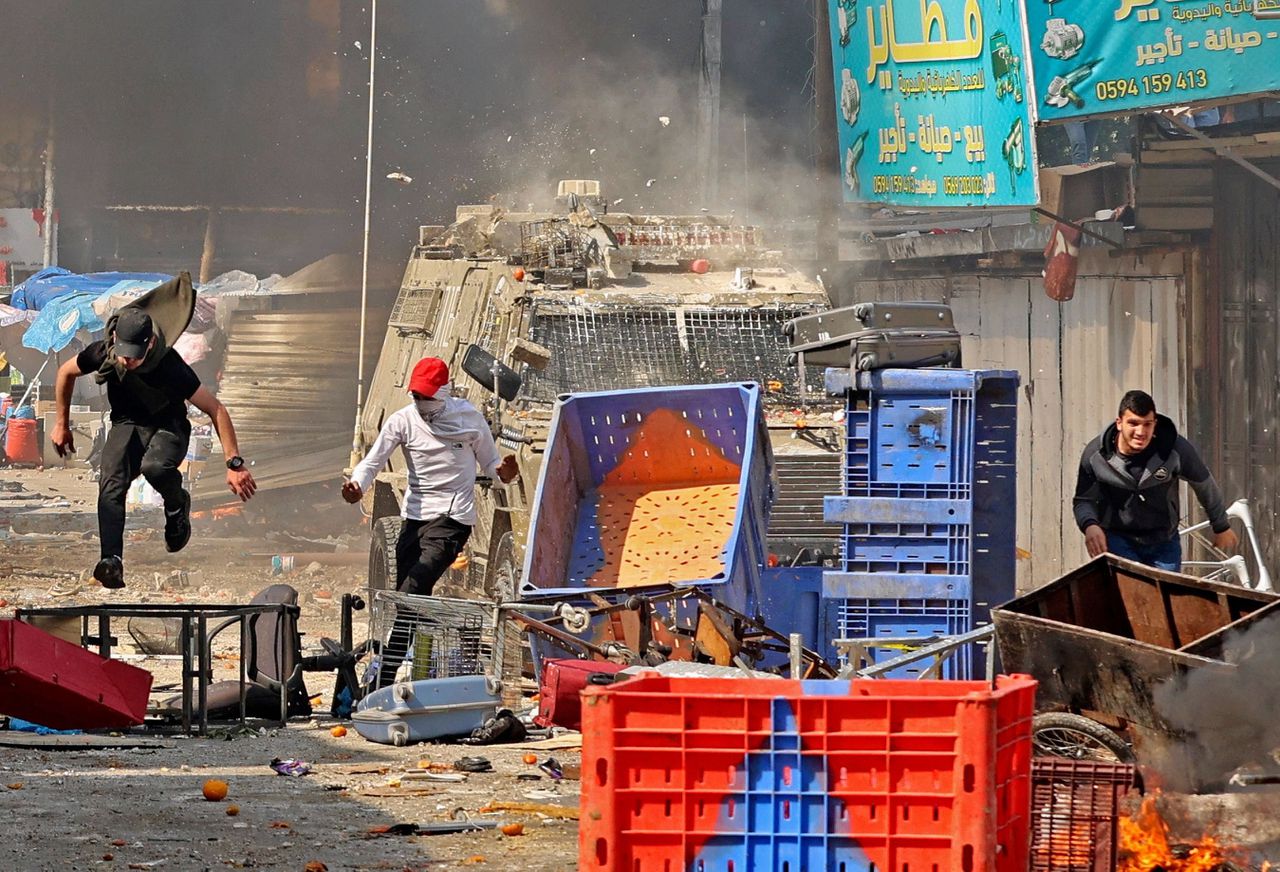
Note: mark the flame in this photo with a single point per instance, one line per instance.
(1144, 846)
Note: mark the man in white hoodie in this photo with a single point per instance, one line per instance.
(444, 439)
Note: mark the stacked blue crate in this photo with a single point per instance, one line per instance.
(929, 506)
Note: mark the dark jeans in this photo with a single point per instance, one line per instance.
(423, 553)
(130, 450)
(1166, 555)
(1081, 136)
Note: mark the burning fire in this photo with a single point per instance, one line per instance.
(1144, 846)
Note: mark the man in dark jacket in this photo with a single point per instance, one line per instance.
(1126, 498)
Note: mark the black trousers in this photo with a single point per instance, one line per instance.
(424, 551)
(130, 450)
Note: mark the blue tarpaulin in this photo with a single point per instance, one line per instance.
(56, 324)
(53, 282)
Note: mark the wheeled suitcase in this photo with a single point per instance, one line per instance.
(821, 332)
(904, 349)
(562, 681)
(421, 711)
(822, 337)
(58, 684)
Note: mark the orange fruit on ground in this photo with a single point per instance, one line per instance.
(215, 790)
(338, 732)
(513, 830)
(530, 759)
(233, 810)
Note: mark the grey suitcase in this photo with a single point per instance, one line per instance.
(903, 349)
(824, 337)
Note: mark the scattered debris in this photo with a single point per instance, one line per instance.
(473, 764)
(559, 812)
(502, 729)
(295, 768)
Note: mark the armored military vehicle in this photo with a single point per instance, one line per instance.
(533, 305)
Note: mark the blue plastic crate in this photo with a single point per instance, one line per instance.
(919, 606)
(907, 548)
(862, 618)
(930, 478)
(927, 433)
(657, 444)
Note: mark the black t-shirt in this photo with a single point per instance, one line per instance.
(1136, 464)
(151, 399)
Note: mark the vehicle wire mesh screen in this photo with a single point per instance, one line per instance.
(607, 348)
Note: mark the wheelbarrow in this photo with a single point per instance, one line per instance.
(1101, 641)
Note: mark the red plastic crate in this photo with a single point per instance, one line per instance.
(1074, 806)
(51, 682)
(731, 775)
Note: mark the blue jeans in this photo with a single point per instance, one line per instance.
(1081, 136)
(1166, 555)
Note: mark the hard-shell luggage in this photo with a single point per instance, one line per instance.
(58, 684)
(821, 337)
(904, 349)
(562, 681)
(830, 338)
(419, 711)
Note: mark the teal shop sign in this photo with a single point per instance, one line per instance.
(934, 102)
(1102, 57)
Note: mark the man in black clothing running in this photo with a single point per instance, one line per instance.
(149, 432)
(1126, 499)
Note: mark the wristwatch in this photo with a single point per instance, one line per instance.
(235, 463)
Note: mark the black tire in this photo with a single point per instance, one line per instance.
(382, 552)
(1075, 737)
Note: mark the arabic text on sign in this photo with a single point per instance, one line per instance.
(929, 48)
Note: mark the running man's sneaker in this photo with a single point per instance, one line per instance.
(110, 573)
(177, 525)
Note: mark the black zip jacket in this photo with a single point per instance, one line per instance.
(1144, 510)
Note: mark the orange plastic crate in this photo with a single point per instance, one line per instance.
(731, 775)
(1074, 810)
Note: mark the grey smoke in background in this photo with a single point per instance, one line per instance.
(1233, 721)
(264, 103)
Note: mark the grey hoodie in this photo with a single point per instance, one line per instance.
(1145, 510)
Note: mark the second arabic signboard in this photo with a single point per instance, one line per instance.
(1101, 57)
(934, 102)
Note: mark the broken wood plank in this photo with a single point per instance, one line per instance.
(389, 792)
(555, 811)
(556, 743)
(1170, 218)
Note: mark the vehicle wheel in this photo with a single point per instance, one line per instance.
(382, 552)
(1075, 737)
(503, 578)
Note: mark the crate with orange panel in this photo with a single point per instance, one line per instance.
(653, 486)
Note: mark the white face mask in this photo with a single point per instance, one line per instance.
(429, 408)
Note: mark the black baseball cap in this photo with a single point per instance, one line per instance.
(133, 332)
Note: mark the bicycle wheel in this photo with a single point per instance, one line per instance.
(1075, 737)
